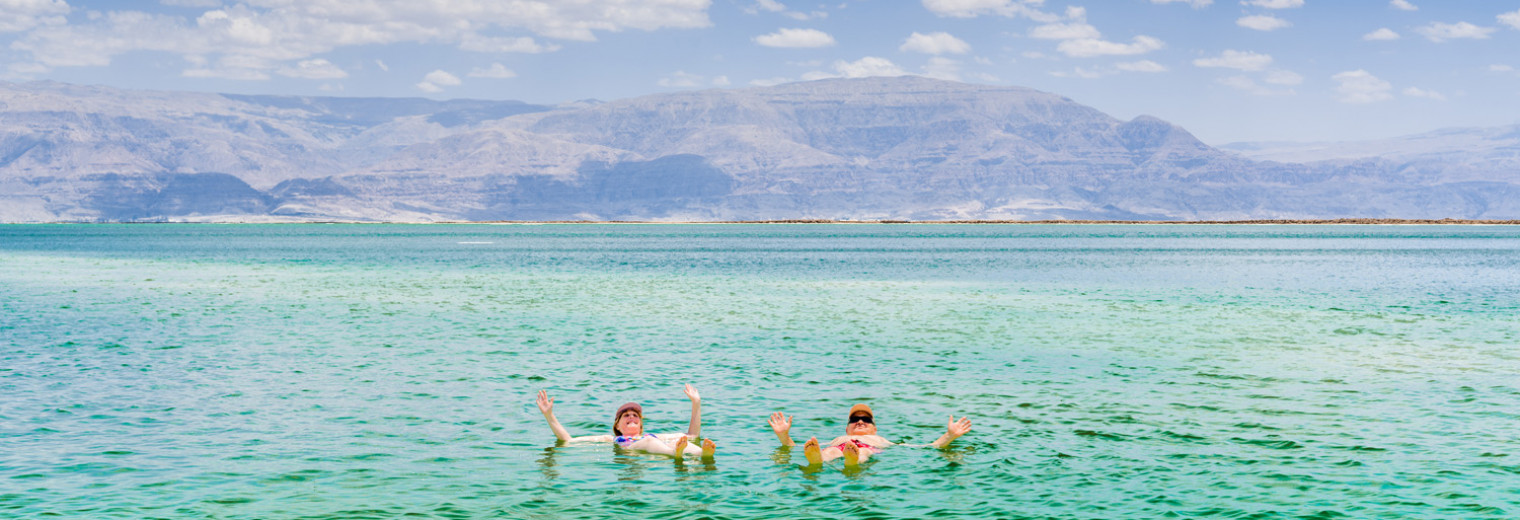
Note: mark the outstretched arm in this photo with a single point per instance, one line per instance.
(782, 425)
(546, 405)
(955, 430)
(695, 428)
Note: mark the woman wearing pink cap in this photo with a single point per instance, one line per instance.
(860, 440)
(628, 429)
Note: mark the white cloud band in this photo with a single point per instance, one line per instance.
(935, 43)
(796, 39)
(1361, 87)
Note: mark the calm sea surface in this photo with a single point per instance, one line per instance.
(379, 371)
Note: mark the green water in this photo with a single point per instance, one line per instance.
(381, 371)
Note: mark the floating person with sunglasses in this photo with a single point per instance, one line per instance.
(860, 441)
(628, 429)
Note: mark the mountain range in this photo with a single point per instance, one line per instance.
(871, 148)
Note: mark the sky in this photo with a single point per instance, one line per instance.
(1253, 70)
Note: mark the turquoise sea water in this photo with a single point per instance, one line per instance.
(381, 371)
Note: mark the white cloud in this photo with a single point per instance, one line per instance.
(767, 5)
(95, 44)
(935, 43)
(796, 39)
(1359, 86)
(281, 32)
(1144, 66)
(1233, 59)
(1402, 5)
(523, 44)
(1084, 73)
(1440, 32)
(769, 82)
(1500, 68)
(1275, 4)
(1089, 47)
(1419, 92)
(1511, 19)
(495, 71)
(772, 6)
(1283, 77)
(241, 68)
(239, 74)
(683, 79)
(1262, 22)
(1384, 34)
(943, 68)
(868, 66)
(1140, 66)
(1065, 31)
(434, 82)
(20, 15)
(1197, 4)
(383, 66)
(1248, 85)
(442, 78)
(314, 69)
(191, 3)
(26, 70)
(973, 8)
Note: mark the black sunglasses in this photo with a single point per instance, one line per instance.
(862, 418)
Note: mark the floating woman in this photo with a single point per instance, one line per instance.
(628, 429)
(860, 440)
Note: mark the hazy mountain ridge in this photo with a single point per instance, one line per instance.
(862, 148)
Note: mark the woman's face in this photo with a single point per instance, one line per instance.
(630, 423)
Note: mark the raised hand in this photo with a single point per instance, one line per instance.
(959, 428)
(781, 424)
(545, 403)
(691, 393)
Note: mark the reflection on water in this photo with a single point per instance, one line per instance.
(1111, 371)
(547, 465)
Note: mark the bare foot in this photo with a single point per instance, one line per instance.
(681, 448)
(708, 447)
(851, 453)
(811, 451)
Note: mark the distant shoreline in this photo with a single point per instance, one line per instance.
(1347, 221)
(1338, 221)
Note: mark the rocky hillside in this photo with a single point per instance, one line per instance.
(898, 148)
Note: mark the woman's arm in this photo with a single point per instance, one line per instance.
(695, 428)
(546, 405)
(955, 430)
(782, 425)
(593, 438)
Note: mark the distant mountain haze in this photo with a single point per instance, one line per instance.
(873, 148)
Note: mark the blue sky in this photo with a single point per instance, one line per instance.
(1226, 70)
